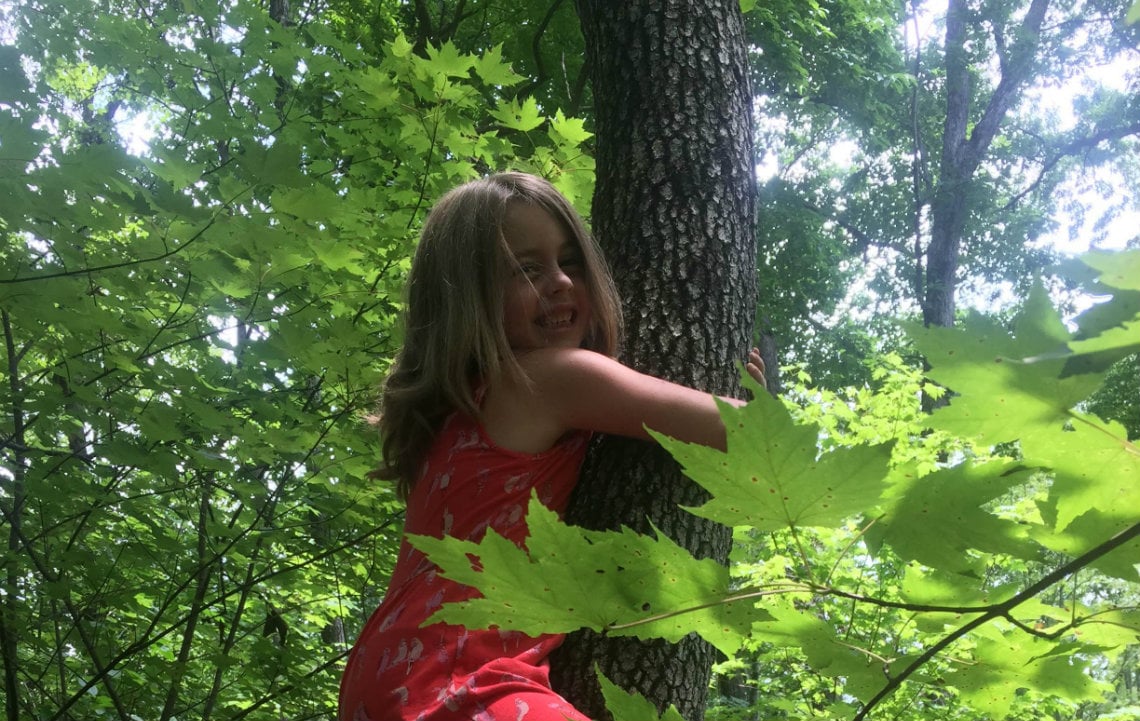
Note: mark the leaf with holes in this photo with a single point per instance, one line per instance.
(773, 475)
(618, 582)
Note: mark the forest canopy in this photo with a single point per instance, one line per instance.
(208, 211)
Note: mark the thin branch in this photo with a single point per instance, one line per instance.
(842, 554)
(423, 182)
(747, 596)
(169, 321)
(1069, 149)
(202, 581)
(536, 50)
(1001, 610)
(902, 605)
(112, 266)
(578, 92)
(1048, 635)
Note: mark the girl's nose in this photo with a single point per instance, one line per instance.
(558, 280)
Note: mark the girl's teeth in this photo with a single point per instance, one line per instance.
(557, 322)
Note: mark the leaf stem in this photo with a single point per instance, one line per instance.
(747, 596)
(1124, 442)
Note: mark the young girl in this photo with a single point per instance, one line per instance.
(512, 325)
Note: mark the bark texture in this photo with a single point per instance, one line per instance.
(674, 209)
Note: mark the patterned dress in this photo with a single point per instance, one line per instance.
(400, 672)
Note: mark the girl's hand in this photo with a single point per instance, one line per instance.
(755, 367)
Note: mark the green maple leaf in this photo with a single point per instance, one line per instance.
(822, 647)
(1089, 530)
(1095, 468)
(934, 587)
(522, 116)
(568, 130)
(312, 203)
(1007, 386)
(936, 518)
(773, 475)
(493, 70)
(379, 85)
(615, 582)
(448, 60)
(1117, 269)
(1024, 387)
(1005, 663)
(401, 47)
(1108, 331)
(626, 706)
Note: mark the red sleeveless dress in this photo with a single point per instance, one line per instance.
(398, 671)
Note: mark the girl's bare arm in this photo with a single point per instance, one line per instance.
(581, 389)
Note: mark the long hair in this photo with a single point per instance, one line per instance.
(454, 332)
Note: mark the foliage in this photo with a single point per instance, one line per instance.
(541, 37)
(961, 588)
(206, 212)
(1119, 398)
(892, 411)
(194, 321)
(854, 102)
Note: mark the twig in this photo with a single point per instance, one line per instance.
(1001, 610)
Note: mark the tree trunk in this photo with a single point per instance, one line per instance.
(674, 207)
(963, 152)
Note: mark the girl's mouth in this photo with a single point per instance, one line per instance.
(558, 321)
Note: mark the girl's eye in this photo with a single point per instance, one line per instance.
(530, 270)
(571, 265)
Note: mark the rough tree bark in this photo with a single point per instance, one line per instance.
(674, 207)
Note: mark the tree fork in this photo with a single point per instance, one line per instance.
(963, 149)
(674, 207)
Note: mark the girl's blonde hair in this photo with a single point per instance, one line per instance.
(455, 336)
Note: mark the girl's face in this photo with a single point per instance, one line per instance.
(547, 302)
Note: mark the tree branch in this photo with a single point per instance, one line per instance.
(1001, 610)
(1013, 77)
(536, 48)
(202, 580)
(112, 266)
(1071, 148)
(919, 151)
(957, 86)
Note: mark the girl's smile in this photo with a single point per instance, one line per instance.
(546, 302)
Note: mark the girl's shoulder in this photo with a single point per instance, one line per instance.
(522, 413)
(557, 364)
